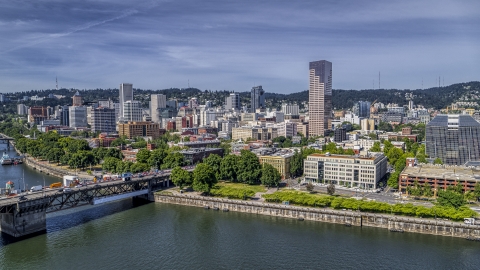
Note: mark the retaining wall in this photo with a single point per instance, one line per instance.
(349, 218)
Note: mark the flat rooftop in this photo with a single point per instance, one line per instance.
(444, 172)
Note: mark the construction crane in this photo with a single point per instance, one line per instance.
(373, 109)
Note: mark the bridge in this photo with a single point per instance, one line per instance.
(26, 214)
(4, 139)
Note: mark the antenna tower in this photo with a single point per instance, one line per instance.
(379, 80)
(56, 82)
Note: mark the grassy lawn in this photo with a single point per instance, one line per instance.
(235, 190)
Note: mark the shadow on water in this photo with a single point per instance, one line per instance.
(59, 221)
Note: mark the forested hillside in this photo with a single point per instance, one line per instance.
(436, 97)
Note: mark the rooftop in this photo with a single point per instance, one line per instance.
(444, 172)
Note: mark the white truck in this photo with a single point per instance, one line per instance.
(36, 188)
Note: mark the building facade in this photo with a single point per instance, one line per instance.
(362, 109)
(77, 99)
(103, 120)
(22, 109)
(78, 116)
(157, 103)
(281, 162)
(257, 96)
(363, 171)
(132, 111)
(453, 138)
(319, 97)
(139, 129)
(126, 94)
(232, 102)
(292, 109)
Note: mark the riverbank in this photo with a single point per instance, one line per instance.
(348, 218)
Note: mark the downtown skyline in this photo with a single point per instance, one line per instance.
(226, 45)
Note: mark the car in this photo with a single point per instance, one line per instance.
(60, 190)
(22, 198)
(66, 190)
(97, 186)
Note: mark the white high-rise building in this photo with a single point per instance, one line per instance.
(126, 94)
(132, 111)
(319, 97)
(232, 102)
(292, 109)
(22, 109)
(157, 101)
(77, 116)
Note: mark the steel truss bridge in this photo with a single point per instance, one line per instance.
(21, 216)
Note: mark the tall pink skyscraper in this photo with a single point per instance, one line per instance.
(319, 97)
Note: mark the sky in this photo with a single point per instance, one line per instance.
(234, 45)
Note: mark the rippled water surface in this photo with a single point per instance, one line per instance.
(130, 234)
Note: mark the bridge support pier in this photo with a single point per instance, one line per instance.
(21, 224)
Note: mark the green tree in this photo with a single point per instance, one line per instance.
(331, 189)
(438, 161)
(394, 154)
(421, 158)
(393, 179)
(270, 176)
(139, 167)
(156, 158)
(387, 145)
(181, 177)
(249, 168)
(203, 178)
(110, 164)
(310, 187)
(55, 154)
(143, 155)
(376, 147)
(296, 164)
(450, 198)
(385, 126)
(373, 136)
(214, 162)
(476, 191)
(172, 160)
(427, 190)
(229, 167)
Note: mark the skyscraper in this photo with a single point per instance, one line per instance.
(126, 94)
(320, 97)
(362, 109)
(77, 99)
(157, 101)
(257, 98)
(232, 102)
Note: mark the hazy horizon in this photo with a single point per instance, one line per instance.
(230, 45)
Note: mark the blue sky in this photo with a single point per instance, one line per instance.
(234, 45)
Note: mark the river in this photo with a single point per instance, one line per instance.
(131, 234)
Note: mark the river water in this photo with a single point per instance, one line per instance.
(131, 234)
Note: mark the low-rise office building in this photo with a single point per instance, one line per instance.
(139, 129)
(280, 160)
(364, 170)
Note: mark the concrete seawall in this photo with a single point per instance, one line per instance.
(348, 218)
(31, 162)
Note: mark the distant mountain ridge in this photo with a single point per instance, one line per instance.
(435, 97)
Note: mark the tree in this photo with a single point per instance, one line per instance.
(476, 191)
(421, 158)
(172, 160)
(387, 145)
(296, 164)
(139, 167)
(229, 167)
(373, 136)
(427, 190)
(249, 168)
(143, 155)
(203, 178)
(331, 189)
(438, 161)
(376, 147)
(450, 198)
(110, 164)
(156, 158)
(55, 154)
(393, 179)
(181, 177)
(385, 126)
(270, 176)
(214, 162)
(394, 154)
(310, 187)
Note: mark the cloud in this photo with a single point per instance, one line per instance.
(232, 44)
